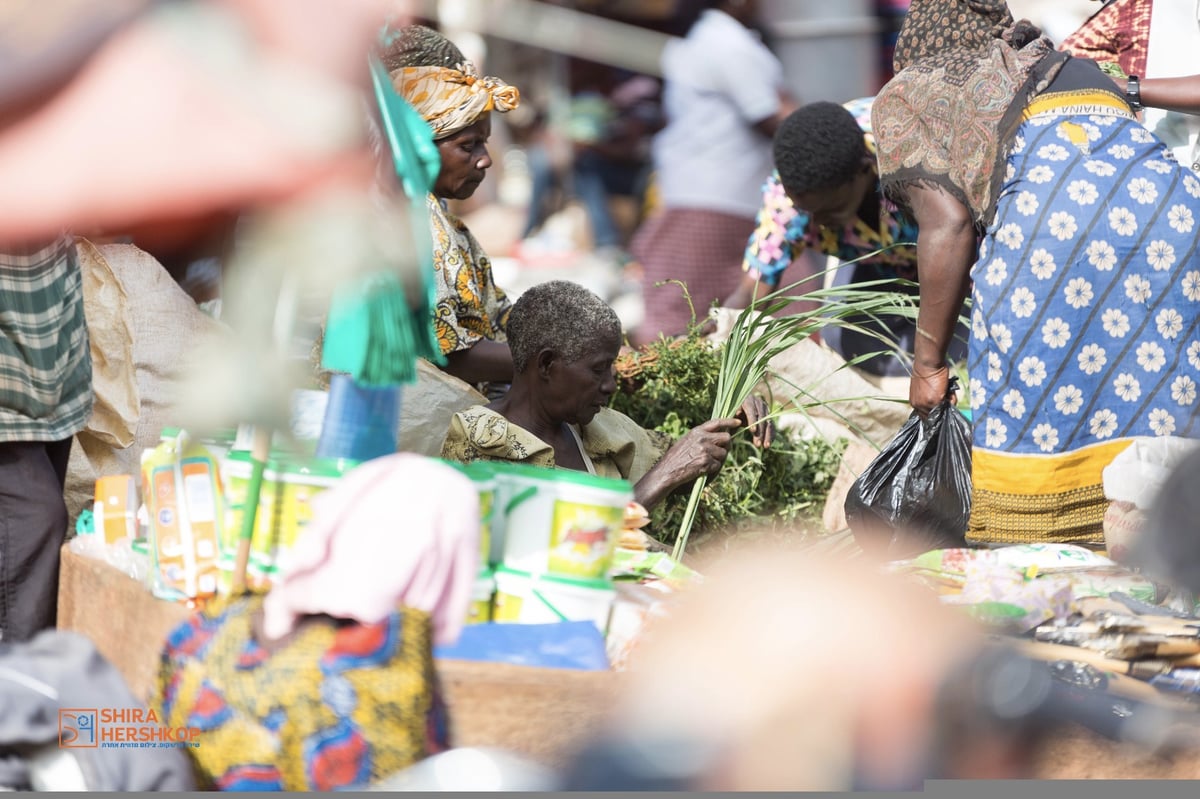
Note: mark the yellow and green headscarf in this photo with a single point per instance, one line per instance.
(450, 99)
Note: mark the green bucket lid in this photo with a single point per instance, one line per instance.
(280, 464)
(576, 582)
(555, 475)
(479, 471)
(317, 467)
(140, 546)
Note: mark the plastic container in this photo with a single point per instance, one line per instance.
(482, 593)
(182, 494)
(290, 483)
(141, 560)
(116, 504)
(485, 483)
(483, 476)
(361, 422)
(522, 598)
(560, 522)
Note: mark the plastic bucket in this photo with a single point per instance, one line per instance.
(482, 592)
(484, 478)
(289, 485)
(361, 422)
(560, 522)
(523, 598)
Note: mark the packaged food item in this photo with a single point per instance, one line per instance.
(1003, 597)
(116, 507)
(1030, 559)
(181, 489)
(635, 608)
(139, 564)
(647, 566)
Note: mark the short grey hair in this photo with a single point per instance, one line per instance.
(561, 316)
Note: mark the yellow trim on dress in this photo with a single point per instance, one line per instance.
(1080, 101)
(1028, 475)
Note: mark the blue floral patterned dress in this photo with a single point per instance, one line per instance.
(1086, 304)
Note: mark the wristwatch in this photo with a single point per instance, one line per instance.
(1133, 93)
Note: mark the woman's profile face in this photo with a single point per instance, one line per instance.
(836, 207)
(580, 388)
(465, 160)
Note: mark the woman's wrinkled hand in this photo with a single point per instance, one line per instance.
(702, 450)
(928, 387)
(753, 414)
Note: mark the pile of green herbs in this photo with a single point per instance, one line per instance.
(781, 485)
(689, 383)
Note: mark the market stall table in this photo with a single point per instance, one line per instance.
(542, 714)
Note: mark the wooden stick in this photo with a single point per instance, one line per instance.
(260, 450)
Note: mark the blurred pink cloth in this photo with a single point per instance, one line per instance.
(234, 104)
(402, 529)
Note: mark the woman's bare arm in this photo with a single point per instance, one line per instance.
(946, 249)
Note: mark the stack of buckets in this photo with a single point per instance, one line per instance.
(290, 483)
(546, 543)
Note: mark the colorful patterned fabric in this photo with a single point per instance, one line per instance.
(45, 362)
(616, 445)
(701, 249)
(470, 306)
(783, 232)
(1120, 32)
(336, 705)
(452, 99)
(938, 27)
(940, 123)
(1086, 317)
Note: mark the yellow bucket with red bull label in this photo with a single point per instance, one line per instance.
(558, 521)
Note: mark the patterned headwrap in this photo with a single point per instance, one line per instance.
(935, 26)
(965, 72)
(452, 99)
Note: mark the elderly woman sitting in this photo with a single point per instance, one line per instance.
(564, 340)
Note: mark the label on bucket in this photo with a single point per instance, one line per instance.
(582, 538)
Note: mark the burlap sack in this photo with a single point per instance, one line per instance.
(144, 330)
(427, 406)
(857, 458)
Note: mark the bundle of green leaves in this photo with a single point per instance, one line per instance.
(673, 391)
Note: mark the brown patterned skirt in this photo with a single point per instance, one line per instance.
(702, 249)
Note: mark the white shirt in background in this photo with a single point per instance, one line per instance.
(1175, 52)
(720, 80)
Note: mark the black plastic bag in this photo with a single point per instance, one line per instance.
(916, 495)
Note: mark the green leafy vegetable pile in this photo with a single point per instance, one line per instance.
(671, 386)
